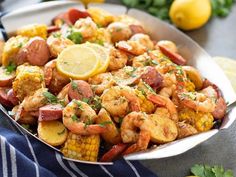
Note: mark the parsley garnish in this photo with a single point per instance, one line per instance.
(20, 45)
(56, 35)
(10, 68)
(208, 171)
(78, 104)
(74, 85)
(74, 36)
(103, 124)
(62, 132)
(86, 100)
(148, 87)
(50, 97)
(89, 122)
(74, 118)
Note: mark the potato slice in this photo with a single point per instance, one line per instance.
(52, 132)
(194, 76)
(164, 129)
(112, 135)
(185, 130)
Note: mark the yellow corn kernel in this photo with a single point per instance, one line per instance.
(28, 80)
(146, 105)
(101, 17)
(81, 147)
(11, 48)
(33, 30)
(190, 87)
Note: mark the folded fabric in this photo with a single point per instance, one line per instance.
(24, 156)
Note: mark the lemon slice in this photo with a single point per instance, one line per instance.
(228, 65)
(103, 56)
(78, 62)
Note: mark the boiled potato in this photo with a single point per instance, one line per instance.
(164, 129)
(1, 50)
(185, 130)
(52, 132)
(112, 135)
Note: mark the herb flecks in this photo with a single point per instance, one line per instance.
(78, 104)
(61, 132)
(103, 124)
(50, 97)
(10, 68)
(75, 118)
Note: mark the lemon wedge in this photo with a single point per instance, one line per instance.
(103, 54)
(78, 62)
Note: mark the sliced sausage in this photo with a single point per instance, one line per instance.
(50, 112)
(79, 89)
(152, 78)
(11, 96)
(6, 79)
(3, 97)
(220, 109)
(169, 45)
(36, 52)
(113, 153)
(175, 57)
(71, 16)
(51, 29)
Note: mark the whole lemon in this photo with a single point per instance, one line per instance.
(190, 14)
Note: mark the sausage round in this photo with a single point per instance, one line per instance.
(50, 112)
(3, 97)
(11, 96)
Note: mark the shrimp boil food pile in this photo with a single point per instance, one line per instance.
(97, 87)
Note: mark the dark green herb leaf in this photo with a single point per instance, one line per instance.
(74, 36)
(103, 124)
(50, 97)
(62, 132)
(75, 118)
(74, 85)
(10, 68)
(198, 170)
(78, 104)
(86, 100)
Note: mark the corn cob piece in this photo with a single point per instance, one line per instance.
(33, 30)
(28, 80)
(81, 147)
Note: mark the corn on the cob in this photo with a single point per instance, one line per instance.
(33, 30)
(81, 147)
(11, 48)
(28, 80)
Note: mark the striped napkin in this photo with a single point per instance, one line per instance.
(23, 156)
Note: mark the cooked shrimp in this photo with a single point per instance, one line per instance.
(132, 47)
(135, 128)
(118, 59)
(168, 44)
(112, 135)
(119, 31)
(118, 101)
(144, 40)
(101, 82)
(79, 117)
(35, 101)
(203, 101)
(86, 27)
(57, 43)
(54, 80)
(165, 102)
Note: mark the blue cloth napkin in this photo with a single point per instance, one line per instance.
(24, 156)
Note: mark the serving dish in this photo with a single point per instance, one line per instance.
(158, 30)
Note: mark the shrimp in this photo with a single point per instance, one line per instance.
(144, 40)
(35, 101)
(165, 102)
(112, 135)
(132, 47)
(118, 101)
(130, 133)
(101, 82)
(57, 43)
(118, 59)
(119, 31)
(203, 101)
(86, 27)
(168, 44)
(79, 117)
(54, 80)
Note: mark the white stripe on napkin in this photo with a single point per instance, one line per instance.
(59, 160)
(4, 156)
(33, 154)
(133, 168)
(106, 171)
(74, 167)
(13, 160)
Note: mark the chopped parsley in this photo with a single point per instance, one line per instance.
(50, 97)
(103, 124)
(78, 104)
(74, 36)
(56, 35)
(62, 132)
(86, 100)
(75, 118)
(20, 45)
(189, 95)
(10, 68)
(99, 41)
(87, 123)
(148, 87)
(74, 85)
